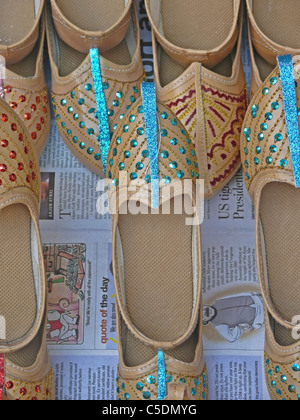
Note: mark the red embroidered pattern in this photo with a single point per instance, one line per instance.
(235, 127)
(182, 100)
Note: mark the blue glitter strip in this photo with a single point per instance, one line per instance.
(104, 131)
(291, 111)
(150, 115)
(162, 376)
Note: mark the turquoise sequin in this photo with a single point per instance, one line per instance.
(286, 68)
(151, 380)
(139, 386)
(150, 116)
(146, 395)
(104, 130)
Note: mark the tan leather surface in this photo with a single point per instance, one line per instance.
(265, 46)
(177, 392)
(17, 51)
(186, 56)
(83, 40)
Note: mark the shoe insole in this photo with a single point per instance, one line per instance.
(264, 68)
(189, 24)
(17, 19)
(279, 21)
(170, 70)
(158, 274)
(27, 67)
(136, 353)
(18, 301)
(92, 15)
(197, 24)
(280, 218)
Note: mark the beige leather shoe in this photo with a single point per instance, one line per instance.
(265, 40)
(157, 268)
(200, 79)
(90, 99)
(268, 165)
(25, 371)
(269, 154)
(23, 85)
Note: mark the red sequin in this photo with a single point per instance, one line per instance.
(30, 165)
(4, 143)
(13, 155)
(23, 391)
(28, 179)
(12, 177)
(4, 118)
(27, 116)
(14, 105)
(45, 110)
(38, 99)
(26, 151)
(20, 166)
(33, 107)
(8, 89)
(34, 136)
(14, 127)
(9, 385)
(37, 389)
(38, 127)
(3, 167)
(22, 98)
(21, 137)
(33, 176)
(42, 120)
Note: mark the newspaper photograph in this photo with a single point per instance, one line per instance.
(77, 248)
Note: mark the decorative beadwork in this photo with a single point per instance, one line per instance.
(16, 167)
(281, 379)
(145, 388)
(268, 139)
(77, 110)
(21, 390)
(33, 111)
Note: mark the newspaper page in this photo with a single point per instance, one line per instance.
(77, 244)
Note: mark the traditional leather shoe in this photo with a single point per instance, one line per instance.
(199, 77)
(157, 269)
(270, 145)
(91, 94)
(25, 371)
(23, 85)
(270, 155)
